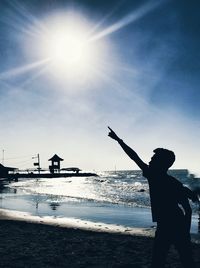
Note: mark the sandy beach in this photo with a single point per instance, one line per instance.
(29, 242)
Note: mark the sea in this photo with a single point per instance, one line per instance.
(118, 198)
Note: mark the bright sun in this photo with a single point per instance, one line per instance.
(66, 44)
(68, 48)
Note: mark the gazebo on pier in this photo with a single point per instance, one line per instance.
(55, 164)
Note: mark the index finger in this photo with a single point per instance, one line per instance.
(110, 128)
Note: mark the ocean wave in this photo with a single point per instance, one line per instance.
(122, 187)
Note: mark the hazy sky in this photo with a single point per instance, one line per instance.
(139, 75)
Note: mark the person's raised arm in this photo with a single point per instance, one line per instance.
(129, 151)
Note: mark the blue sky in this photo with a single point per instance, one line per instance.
(143, 83)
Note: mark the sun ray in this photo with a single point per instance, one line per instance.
(130, 18)
(36, 75)
(25, 14)
(117, 66)
(22, 20)
(125, 92)
(22, 69)
(105, 18)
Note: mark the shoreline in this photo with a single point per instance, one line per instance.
(36, 242)
(85, 225)
(74, 223)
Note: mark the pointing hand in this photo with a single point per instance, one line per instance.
(113, 135)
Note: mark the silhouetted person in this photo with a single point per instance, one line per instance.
(169, 205)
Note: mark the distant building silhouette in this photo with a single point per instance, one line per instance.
(55, 164)
(4, 171)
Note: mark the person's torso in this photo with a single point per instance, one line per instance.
(164, 195)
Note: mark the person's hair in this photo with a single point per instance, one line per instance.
(166, 157)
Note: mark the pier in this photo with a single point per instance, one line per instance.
(54, 171)
(17, 176)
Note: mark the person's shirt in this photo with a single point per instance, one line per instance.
(166, 194)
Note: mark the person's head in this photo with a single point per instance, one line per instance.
(162, 159)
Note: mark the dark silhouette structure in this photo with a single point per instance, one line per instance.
(199, 219)
(4, 171)
(55, 164)
(10, 173)
(73, 169)
(169, 204)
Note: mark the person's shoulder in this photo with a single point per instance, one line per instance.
(146, 172)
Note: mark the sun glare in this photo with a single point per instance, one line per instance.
(66, 44)
(68, 48)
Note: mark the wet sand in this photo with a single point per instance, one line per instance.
(37, 243)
